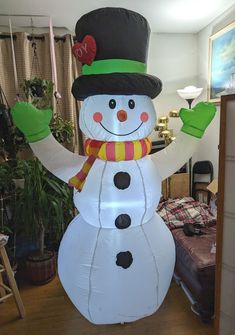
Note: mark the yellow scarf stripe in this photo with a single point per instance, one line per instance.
(86, 167)
(149, 145)
(75, 182)
(81, 185)
(102, 152)
(120, 151)
(137, 150)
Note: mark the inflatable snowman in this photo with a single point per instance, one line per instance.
(117, 257)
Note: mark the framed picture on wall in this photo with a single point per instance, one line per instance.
(222, 63)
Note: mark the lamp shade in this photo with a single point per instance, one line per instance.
(190, 92)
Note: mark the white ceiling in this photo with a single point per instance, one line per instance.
(169, 16)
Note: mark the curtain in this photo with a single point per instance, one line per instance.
(29, 67)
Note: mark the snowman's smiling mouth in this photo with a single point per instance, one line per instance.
(120, 134)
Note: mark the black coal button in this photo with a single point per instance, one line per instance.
(122, 180)
(124, 259)
(123, 221)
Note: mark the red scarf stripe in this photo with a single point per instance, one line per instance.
(93, 143)
(87, 144)
(81, 175)
(91, 159)
(91, 151)
(129, 150)
(111, 151)
(144, 147)
(92, 146)
(96, 144)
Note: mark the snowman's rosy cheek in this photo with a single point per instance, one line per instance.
(97, 117)
(144, 117)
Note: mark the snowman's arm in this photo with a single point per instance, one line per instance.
(175, 155)
(61, 162)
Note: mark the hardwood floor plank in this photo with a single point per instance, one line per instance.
(49, 311)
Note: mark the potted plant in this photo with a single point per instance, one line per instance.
(62, 129)
(39, 92)
(5, 180)
(18, 167)
(7, 206)
(45, 204)
(12, 174)
(12, 140)
(40, 205)
(7, 145)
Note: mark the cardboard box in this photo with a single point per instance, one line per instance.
(213, 186)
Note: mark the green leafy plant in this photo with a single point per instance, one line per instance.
(41, 204)
(5, 178)
(12, 139)
(18, 168)
(6, 199)
(19, 140)
(10, 171)
(39, 91)
(62, 130)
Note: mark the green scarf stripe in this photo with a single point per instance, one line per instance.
(105, 66)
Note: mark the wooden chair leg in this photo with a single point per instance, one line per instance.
(12, 282)
(2, 290)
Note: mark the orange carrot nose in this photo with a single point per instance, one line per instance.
(122, 115)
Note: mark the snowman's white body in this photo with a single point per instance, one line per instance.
(101, 202)
(102, 290)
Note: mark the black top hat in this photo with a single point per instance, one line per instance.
(113, 45)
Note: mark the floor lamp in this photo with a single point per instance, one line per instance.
(189, 93)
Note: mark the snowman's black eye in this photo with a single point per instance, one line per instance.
(112, 103)
(131, 104)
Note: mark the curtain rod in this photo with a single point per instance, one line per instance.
(30, 37)
(24, 15)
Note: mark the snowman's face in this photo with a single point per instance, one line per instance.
(117, 117)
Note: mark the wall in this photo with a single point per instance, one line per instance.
(172, 58)
(180, 60)
(209, 148)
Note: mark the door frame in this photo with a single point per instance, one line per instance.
(220, 215)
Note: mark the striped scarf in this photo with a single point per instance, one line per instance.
(109, 151)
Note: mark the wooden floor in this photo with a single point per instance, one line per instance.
(50, 312)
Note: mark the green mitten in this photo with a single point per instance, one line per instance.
(197, 119)
(33, 122)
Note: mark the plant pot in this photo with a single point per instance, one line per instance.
(37, 90)
(41, 269)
